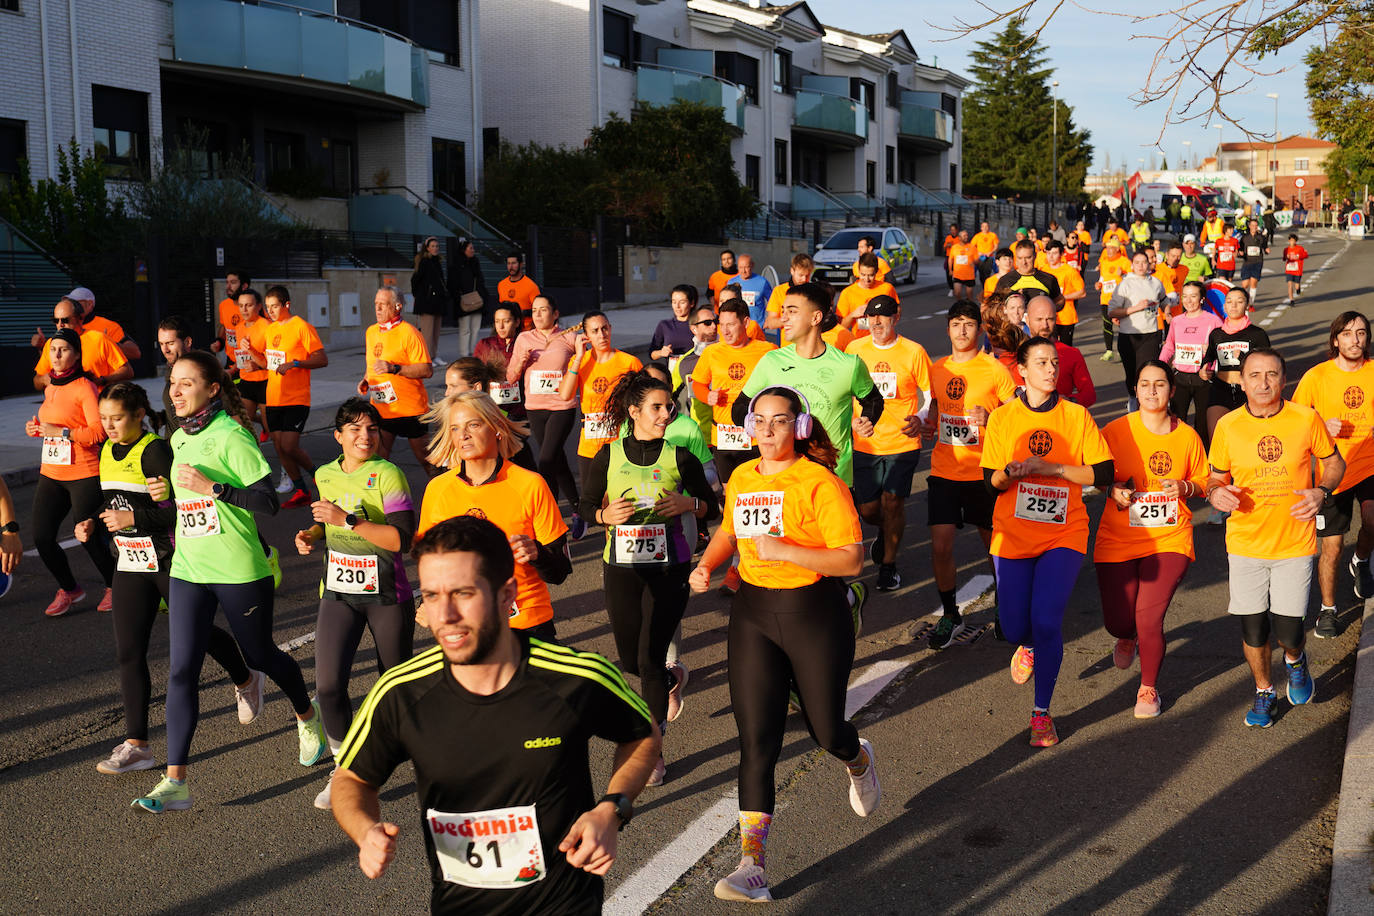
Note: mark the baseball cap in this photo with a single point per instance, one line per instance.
(881, 305)
(1190, 238)
(81, 294)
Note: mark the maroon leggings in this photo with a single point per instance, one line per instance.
(1135, 595)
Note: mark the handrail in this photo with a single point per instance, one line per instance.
(477, 220)
(826, 195)
(15, 231)
(321, 14)
(719, 79)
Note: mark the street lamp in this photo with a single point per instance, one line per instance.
(1274, 162)
(1186, 145)
(1054, 143)
(1220, 128)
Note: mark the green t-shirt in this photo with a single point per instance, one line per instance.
(830, 383)
(1199, 267)
(217, 542)
(375, 490)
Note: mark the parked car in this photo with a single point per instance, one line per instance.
(837, 254)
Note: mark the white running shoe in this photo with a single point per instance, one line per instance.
(747, 883)
(249, 699)
(126, 758)
(284, 485)
(322, 801)
(865, 792)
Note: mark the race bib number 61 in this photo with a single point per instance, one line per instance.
(489, 850)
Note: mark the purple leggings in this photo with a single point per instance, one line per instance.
(1031, 596)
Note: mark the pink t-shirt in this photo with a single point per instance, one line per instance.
(1187, 340)
(539, 363)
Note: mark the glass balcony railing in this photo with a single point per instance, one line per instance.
(922, 123)
(833, 114)
(292, 41)
(662, 86)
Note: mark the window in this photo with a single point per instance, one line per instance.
(1300, 165)
(871, 178)
(861, 91)
(617, 30)
(450, 169)
(751, 173)
(208, 144)
(779, 162)
(11, 5)
(13, 147)
(285, 154)
(741, 69)
(435, 24)
(120, 121)
(951, 106)
(893, 239)
(894, 91)
(782, 71)
(491, 144)
(954, 179)
(891, 170)
(646, 48)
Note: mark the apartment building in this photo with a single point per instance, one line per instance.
(1291, 170)
(825, 117)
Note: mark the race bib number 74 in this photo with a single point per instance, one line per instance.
(489, 850)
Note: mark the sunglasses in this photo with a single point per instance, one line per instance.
(709, 322)
(56, 320)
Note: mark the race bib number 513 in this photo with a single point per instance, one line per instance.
(489, 850)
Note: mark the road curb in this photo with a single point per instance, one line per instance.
(1352, 852)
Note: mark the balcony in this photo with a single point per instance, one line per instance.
(658, 85)
(930, 128)
(277, 40)
(834, 117)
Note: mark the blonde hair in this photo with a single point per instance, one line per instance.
(443, 450)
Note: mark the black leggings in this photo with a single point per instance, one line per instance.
(1136, 350)
(338, 631)
(1189, 389)
(1064, 332)
(52, 500)
(136, 597)
(1108, 329)
(643, 629)
(778, 637)
(728, 461)
(248, 608)
(551, 429)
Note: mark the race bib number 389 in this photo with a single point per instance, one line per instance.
(759, 514)
(489, 850)
(1041, 503)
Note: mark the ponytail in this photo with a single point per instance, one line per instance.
(630, 390)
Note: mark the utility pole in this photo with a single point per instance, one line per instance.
(1054, 144)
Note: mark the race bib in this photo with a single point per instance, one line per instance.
(1153, 510)
(961, 259)
(243, 360)
(759, 514)
(749, 297)
(1252, 251)
(382, 393)
(57, 450)
(1037, 502)
(498, 849)
(886, 383)
(640, 544)
(1209, 249)
(672, 365)
(958, 431)
(1188, 355)
(732, 439)
(135, 554)
(1108, 287)
(597, 426)
(197, 518)
(505, 392)
(1293, 267)
(1230, 354)
(275, 360)
(545, 381)
(350, 574)
(231, 337)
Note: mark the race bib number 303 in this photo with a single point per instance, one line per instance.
(350, 574)
(1037, 502)
(759, 514)
(498, 849)
(197, 518)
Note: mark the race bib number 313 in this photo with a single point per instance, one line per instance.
(759, 514)
(489, 850)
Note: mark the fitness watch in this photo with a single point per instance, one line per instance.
(10, 528)
(624, 808)
(217, 490)
(350, 521)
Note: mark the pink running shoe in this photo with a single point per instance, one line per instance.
(62, 602)
(1022, 664)
(106, 602)
(1147, 703)
(1042, 730)
(1124, 653)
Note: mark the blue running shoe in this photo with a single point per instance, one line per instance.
(577, 527)
(1301, 690)
(1261, 715)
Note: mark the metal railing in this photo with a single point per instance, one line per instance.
(656, 84)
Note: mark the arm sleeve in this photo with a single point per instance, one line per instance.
(987, 482)
(594, 484)
(695, 483)
(1083, 383)
(552, 561)
(740, 409)
(403, 520)
(1102, 473)
(1210, 356)
(157, 462)
(871, 404)
(259, 497)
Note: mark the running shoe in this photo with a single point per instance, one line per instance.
(1261, 715)
(865, 792)
(314, 745)
(577, 527)
(296, 500)
(1288, 302)
(949, 294)
(747, 883)
(439, 363)
(1326, 624)
(323, 800)
(1364, 580)
(62, 602)
(1301, 689)
(274, 564)
(168, 796)
(1124, 653)
(1147, 703)
(858, 594)
(249, 698)
(732, 581)
(656, 777)
(264, 437)
(793, 702)
(1022, 664)
(888, 578)
(126, 758)
(946, 631)
(284, 484)
(1042, 730)
(679, 672)
(106, 602)
(1107, 357)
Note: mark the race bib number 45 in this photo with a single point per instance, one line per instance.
(640, 544)
(275, 359)
(1042, 503)
(350, 574)
(197, 518)
(504, 393)
(759, 514)
(498, 849)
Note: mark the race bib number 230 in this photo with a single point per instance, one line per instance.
(489, 850)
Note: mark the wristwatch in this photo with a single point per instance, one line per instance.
(1327, 490)
(350, 521)
(624, 808)
(217, 490)
(10, 528)
(66, 432)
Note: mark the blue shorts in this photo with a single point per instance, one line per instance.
(875, 475)
(1251, 271)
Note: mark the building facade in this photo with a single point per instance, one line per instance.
(1292, 170)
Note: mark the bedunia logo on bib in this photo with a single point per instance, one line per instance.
(1270, 448)
(955, 388)
(1354, 397)
(1041, 442)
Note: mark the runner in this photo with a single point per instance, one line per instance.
(799, 272)
(1182, 352)
(868, 245)
(431, 294)
(704, 323)
(1114, 231)
(1254, 245)
(468, 373)
(1074, 381)
(1070, 284)
(69, 476)
(1040, 452)
(885, 461)
(85, 300)
(1172, 274)
(797, 533)
(366, 519)
(1002, 262)
(1294, 257)
(496, 352)
(102, 361)
(1112, 267)
(221, 480)
(952, 237)
(753, 328)
(594, 369)
(228, 318)
(517, 287)
(252, 381)
(142, 532)
(1226, 349)
(1136, 304)
(673, 336)
(966, 386)
(1341, 391)
(754, 289)
(536, 704)
(395, 364)
(987, 243)
(655, 494)
(1145, 536)
(1077, 245)
(1261, 463)
(1026, 277)
(1224, 254)
(717, 281)
(850, 306)
(961, 264)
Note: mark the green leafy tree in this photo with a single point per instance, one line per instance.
(1009, 122)
(1340, 78)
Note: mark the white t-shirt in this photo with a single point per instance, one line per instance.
(1131, 290)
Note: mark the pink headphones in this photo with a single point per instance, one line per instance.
(801, 429)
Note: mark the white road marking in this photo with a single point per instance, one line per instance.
(68, 544)
(293, 644)
(1266, 322)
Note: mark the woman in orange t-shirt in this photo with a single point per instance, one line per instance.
(69, 481)
(1145, 540)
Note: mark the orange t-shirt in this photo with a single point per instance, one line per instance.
(853, 296)
(1111, 271)
(1268, 459)
(75, 405)
(883, 268)
(963, 259)
(1037, 514)
(990, 284)
(518, 502)
(522, 291)
(1336, 394)
(1084, 237)
(722, 366)
(110, 329)
(985, 242)
(230, 318)
(99, 355)
(838, 337)
(718, 281)
(1070, 281)
(1120, 235)
(955, 387)
(901, 372)
(805, 505)
(1153, 524)
(395, 395)
(595, 380)
(774, 306)
(251, 336)
(754, 331)
(289, 340)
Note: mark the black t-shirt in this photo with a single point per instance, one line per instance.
(1035, 281)
(1229, 349)
(488, 768)
(1253, 243)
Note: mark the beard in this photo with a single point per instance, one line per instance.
(480, 644)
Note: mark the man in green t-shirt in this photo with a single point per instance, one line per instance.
(1198, 264)
(829, 379)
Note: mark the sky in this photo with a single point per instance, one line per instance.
(1097, 79)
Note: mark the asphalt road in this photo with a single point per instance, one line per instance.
(1188, 812)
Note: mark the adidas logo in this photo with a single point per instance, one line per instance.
(535, 743)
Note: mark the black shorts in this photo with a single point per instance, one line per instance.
(1224, 394)
(289, 419)
(875, 475)
(1334, 518)
(1252, 270)
(956, 502)
(253, 391)
(1293, 278)
(1227, 274)
(405, 427)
